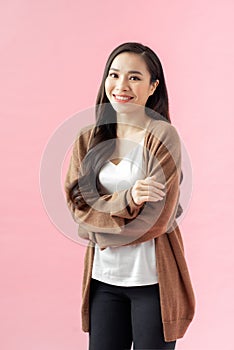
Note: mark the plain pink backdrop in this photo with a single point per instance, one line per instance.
(52, 59)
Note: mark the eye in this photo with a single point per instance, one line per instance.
(112, 75)
(135, 78)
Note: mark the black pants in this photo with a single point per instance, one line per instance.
(122, 315)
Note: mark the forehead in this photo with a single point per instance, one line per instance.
(126, 61)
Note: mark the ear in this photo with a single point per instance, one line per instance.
(153, 86)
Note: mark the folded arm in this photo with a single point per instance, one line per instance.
(107, 213)
(156, 218)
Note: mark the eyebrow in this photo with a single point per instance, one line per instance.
(130, 71)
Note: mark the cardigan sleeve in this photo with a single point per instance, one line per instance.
(109, 211)
(158, 217)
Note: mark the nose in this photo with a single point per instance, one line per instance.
(122, 84)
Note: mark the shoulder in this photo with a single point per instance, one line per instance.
(84, 134)
(163, 130)
(83, 138)
(85, 131)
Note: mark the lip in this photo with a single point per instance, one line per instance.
(126, 101)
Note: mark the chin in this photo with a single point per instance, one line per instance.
(126, 107)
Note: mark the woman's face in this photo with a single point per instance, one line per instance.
(128, 81)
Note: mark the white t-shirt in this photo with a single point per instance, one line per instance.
(133, 265)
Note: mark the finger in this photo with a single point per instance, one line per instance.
(150, 189)
(142, 193)
(150, 198)
(151, 180)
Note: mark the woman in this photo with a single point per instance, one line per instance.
(122, 187)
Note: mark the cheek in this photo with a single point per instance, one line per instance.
(107, 86)
(145, 91)
(141, 92)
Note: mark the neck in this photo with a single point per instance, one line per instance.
(131, 123)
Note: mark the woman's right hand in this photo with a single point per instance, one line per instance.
(147, 190)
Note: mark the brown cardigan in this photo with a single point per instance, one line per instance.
(116, 220)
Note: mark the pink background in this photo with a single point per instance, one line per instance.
(52, 59)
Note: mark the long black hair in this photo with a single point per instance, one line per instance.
(106, 122)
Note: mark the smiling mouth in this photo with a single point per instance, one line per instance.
(122, 98)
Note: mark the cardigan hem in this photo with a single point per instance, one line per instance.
(175, 329)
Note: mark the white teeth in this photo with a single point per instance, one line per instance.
(122, 98)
